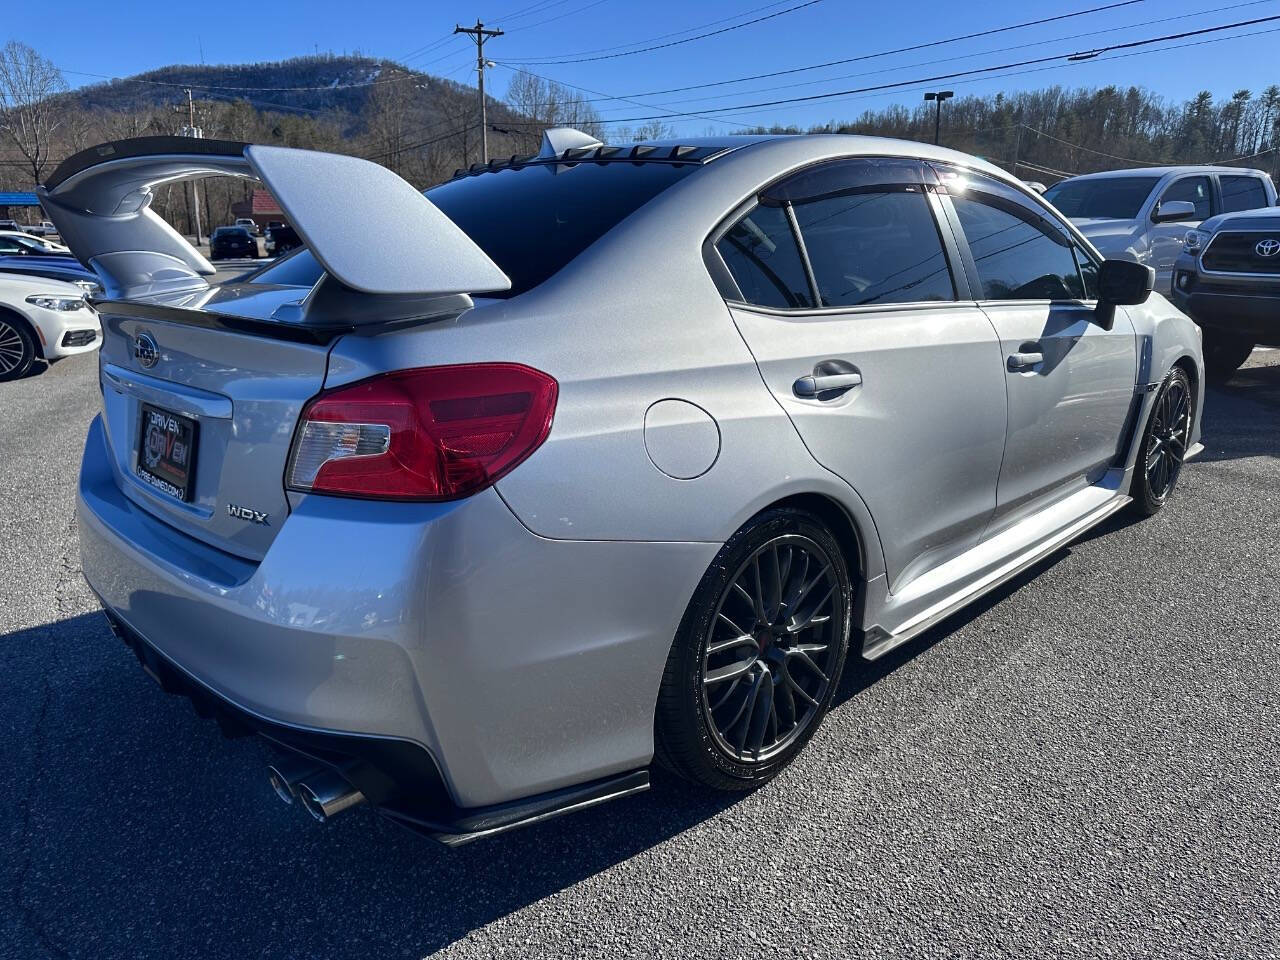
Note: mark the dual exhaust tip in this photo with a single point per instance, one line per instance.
(322, 792)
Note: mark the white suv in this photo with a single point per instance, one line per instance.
(42, 319)
(1144, 214)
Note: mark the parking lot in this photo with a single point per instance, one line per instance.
(1083, 763)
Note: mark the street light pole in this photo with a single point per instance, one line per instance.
(938, 96)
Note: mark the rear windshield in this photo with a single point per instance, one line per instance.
(1106, 198)
(231, 232)
(534, 220)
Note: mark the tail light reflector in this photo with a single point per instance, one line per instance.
(433, 433)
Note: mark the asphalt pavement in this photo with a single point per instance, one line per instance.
(1083, 764)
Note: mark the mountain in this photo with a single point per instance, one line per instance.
(305, 85)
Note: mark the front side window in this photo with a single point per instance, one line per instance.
(761, 253)
(875, 244)
(1088, 273)
(1194, 190)
(1242, 193)
(1019, 252)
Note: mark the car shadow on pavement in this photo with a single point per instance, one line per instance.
(859, 674)
(1232, 430)
(134, 829)
(138, 830)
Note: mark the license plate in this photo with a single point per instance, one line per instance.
(167, 451)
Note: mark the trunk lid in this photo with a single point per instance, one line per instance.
(242, 382)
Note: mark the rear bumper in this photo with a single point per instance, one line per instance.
(399, 779)
(518, 665)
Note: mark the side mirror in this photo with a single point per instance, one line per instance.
(1172, 211)
(1121, 283)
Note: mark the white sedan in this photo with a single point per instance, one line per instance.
(42, 319)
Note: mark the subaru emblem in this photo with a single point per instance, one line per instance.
(145, 350)
(1268, 248)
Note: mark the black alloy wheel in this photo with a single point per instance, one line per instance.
(1164, 444)
(755, 665)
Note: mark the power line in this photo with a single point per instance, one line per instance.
(728, 121)
(888, 53)
(456, 132)
(904, 66)
(969, 56)
(676, 33)
(1142, 163)
(1080, 56)
(558, 16)
(548, 61)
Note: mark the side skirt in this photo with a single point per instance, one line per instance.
(983, 577)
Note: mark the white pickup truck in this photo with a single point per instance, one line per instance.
(1144, 214)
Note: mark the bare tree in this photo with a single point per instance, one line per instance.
(388, 109)
(28, 116)
(551, 104)
(653, 130)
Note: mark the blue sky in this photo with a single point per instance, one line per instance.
(101, 38)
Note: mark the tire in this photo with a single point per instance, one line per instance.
(1224, 355)
(1164, 444)
(17, 348)
(722, 733)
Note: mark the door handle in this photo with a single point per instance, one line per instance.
(815, 385)
(1025, 361)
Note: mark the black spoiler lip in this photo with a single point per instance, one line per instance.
(271, 329)
(140, 147)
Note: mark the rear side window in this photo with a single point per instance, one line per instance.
(533, 220)
(1019, 252)
(1193, 189)
(877, 244)
(761, 253)
(1242, 193)
(865, 226)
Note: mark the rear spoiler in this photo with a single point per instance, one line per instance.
(100, 201)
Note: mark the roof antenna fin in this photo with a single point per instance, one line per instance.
(559, 139)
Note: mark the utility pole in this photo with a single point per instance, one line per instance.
(479, 34)
(938, 96)
(193, 131)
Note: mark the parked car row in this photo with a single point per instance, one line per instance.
(239, 240)
(44, 228)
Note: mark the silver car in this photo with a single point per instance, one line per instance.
(1144, 214)
(617, 455)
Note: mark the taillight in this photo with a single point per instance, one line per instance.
(434, 433)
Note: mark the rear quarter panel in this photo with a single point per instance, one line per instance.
(633, 321)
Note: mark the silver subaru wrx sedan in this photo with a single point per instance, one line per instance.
(600, 455)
